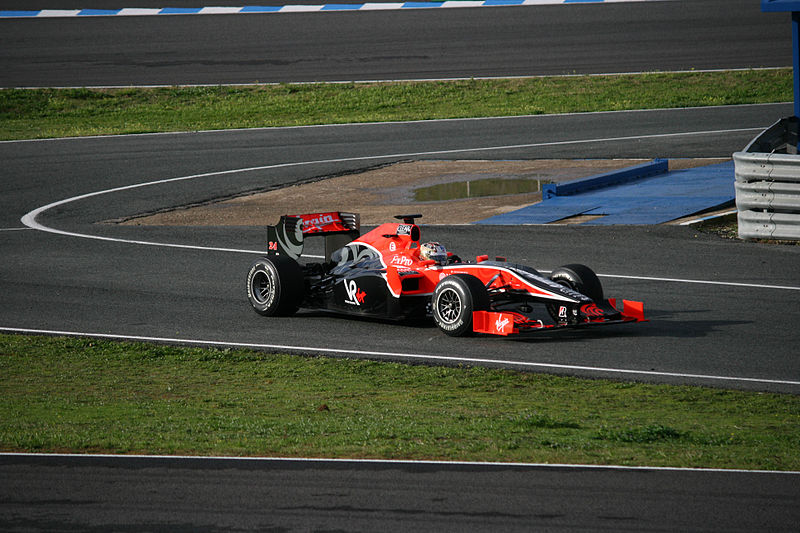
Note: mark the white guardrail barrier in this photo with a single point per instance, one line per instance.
(768, 184)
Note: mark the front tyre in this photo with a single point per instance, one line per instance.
(454, 300)
(579, 278)
(275, 286)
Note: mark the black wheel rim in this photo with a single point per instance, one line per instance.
(448, 306)
(262, 287)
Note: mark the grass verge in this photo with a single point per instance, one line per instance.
(84, 395)
(45, 113)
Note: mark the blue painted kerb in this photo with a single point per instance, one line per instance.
(616, 177)
(780, 5)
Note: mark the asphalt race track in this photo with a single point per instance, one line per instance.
(730, 331)
(722, 313)
(173, 494)
(410, 44)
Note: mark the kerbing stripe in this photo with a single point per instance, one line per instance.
(56, 13)
(306, 8)
(341, 7)
(138, 12)
(181, 11)
(98, 12)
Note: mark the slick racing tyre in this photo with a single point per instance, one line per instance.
(579, 278)
(454, 300)
(275, 286)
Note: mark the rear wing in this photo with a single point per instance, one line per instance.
(286, 238)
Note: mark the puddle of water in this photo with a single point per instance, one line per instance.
(477, 188)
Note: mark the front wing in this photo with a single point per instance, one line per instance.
(509, 323)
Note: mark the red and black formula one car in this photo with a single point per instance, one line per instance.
(389, 273)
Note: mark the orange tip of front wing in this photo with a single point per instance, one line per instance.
(634, 310)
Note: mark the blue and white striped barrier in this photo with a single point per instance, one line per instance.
(144, 12)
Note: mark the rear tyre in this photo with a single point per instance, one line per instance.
(579, 278)
(454, 300)
(275, 286)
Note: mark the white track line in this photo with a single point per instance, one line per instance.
(709, 217)
(705, 282)
(397, 355)
(398, 462)
(409, 80)
(30, 219)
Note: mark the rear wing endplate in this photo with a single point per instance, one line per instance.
(287, 237)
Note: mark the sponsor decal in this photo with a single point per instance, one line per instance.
(404, 229)
(562, 312)
(591, 310)
(270, 296)
(392, 246)
(451, 327)
(493, 323)
(501, 323)
(321, 220)
(355, 296)
(401, 260)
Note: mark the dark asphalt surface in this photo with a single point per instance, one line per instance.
(93, 494)
(418, 44)
(57, 282)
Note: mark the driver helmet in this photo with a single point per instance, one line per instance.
(434, 251)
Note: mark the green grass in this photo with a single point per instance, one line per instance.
(44, 113)
(83, 395)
